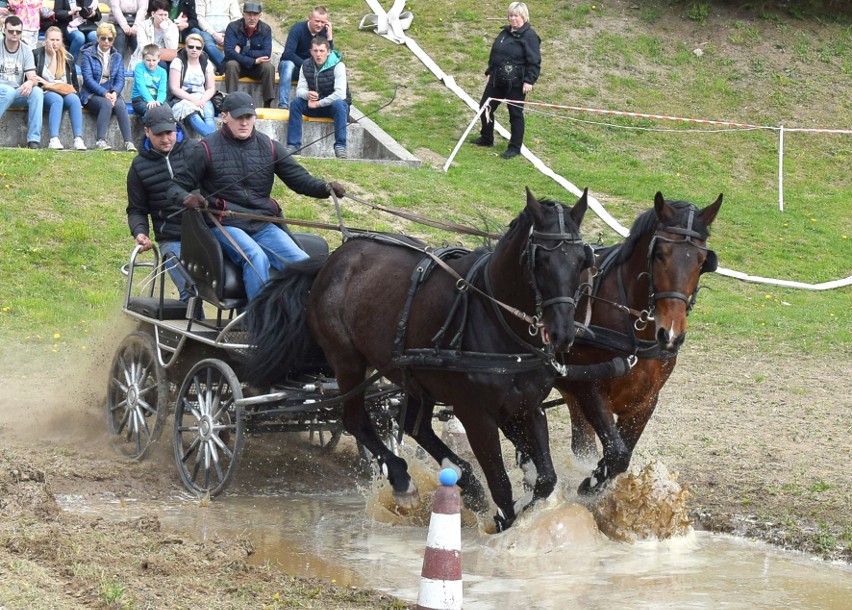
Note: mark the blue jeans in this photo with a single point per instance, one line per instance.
(269, 247)
(216, 55)
(55, 103)
(285, 79)
(34, 102)
(76, 39)
(339, 111)
(173, 247)
(203, 126)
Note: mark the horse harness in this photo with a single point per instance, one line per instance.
(628, 342)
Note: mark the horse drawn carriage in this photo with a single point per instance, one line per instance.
(438, 327)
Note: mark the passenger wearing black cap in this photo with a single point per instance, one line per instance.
(162, 152)
(234, 169)
(248, 52)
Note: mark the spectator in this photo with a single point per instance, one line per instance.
(78, 22)
(235, 169)
(18, 79)
(150, 82)
(513, 68)
(213, 19)
(30, 13)
(55, 72)
(157, 29)
(103, 80)
(127, 16)
(182, 12)
(162, 154)
(297, 50)
(192, 86)
(322, 92)
(248, 52)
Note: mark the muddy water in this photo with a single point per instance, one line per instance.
(555, 558)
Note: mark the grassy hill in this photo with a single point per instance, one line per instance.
(63, 234)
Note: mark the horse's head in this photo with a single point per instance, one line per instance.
(677, 256)
(555, 257)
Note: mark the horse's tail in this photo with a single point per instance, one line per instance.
(277, 326)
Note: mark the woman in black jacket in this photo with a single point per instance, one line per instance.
(78, 20)
(513, 68)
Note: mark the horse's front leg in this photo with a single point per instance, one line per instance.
(484, 439)
(616, 455)
(357, 422)
(583, 438)
(418, 425)
(535, 436)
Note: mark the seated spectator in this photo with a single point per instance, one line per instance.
(78, 21)
(213, 19)
(150, 82)
(103, 80)
(55, 68)
(30, 13)
(157, 29)
(192, 85)
(18, 79)
(322, 92)
(126, 16)
(248, 52)
(297, 49)
(182, 12)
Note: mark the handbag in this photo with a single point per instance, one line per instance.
(218, 99)
(62, 89)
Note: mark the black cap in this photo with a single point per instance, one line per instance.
(252, 7)
(238, 103)
(159, 119)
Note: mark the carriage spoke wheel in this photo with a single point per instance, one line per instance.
(208, 435)
(137, 396)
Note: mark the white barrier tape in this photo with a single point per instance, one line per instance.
(594, 204)
(440, 594)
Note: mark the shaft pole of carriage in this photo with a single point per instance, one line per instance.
(441, 576)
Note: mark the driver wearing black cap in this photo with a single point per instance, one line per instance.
(234, 169)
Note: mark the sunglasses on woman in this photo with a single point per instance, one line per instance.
(193, 47)
(105, 38)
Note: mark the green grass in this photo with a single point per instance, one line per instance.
(63, 233)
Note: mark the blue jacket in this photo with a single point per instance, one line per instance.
(298, 46)
(144, 81)
(90, 66)
(259, 45)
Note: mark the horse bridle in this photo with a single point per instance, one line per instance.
(709, 265)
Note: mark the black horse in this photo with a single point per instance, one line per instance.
(442, 332)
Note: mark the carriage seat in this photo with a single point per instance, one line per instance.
(217, 278)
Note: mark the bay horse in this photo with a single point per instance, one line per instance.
(436, 326)
(638, 307)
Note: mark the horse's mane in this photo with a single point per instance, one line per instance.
(647, 222)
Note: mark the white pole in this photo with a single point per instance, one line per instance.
(781, 168)
(464, 135)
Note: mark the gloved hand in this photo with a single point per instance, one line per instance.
(195, 200)
(336, 188)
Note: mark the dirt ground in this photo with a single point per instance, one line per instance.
(762, 444)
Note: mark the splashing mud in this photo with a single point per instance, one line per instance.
(644, 504)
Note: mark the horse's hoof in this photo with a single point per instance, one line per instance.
(409, 499)
(591, 486)
(503, 523)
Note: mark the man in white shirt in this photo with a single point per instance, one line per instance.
(18, 79)
(213, 19)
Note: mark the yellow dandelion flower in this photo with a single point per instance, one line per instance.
(768, 296)
(56, 335)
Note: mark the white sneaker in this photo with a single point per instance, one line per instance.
(79, 144)
(55, 144)
(102, 145)
(130, 147)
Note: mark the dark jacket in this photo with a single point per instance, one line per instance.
(147, 189)
(322, 79)
(62, 15)
(240, 175)
(70, 71)
(90, 66)
(187, 7)
(259, 45)
(521, 49)
(297, 48)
